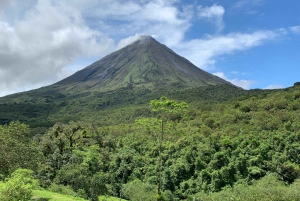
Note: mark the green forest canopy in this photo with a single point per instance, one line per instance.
(217, 149)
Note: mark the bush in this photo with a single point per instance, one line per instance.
(266, 189)
(19, 186)
(66, 190)
(139, 191)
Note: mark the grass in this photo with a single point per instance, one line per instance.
(51, 196)
(108, 198)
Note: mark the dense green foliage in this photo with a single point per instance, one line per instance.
(266, 189)
(42, 108)
(19, 186)
(218, 150)
(17, 149)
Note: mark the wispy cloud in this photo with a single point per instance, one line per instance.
(247, 4)
(187, 12)
(205, 52)
(126, 41)
(295, 29)
(245, 84)
(234, 72)
(274, 86)
(214, 14)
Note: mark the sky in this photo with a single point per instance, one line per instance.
(251, 43)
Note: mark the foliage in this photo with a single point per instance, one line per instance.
(219, 149)
(268, 188)
(17, 150)
(42, 108)
(167, 110)
(19, 186)
(139, 191)
(69, 162)
(212, 149)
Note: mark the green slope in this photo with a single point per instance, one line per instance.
(43, 107)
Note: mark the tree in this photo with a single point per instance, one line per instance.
(136, 190)
(166, 110)
(58, 144)
(16, 148)
(19, 186)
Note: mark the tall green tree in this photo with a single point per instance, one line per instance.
(166, 111)
(17, 150)
(58, 144)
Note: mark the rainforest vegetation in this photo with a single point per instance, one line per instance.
(242, 148)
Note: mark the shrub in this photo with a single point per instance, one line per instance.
(19, 186)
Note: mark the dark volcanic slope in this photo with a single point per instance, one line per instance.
(146, 63)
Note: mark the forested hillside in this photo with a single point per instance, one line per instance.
(243, 148)
(42, 108)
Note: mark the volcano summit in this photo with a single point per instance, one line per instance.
(145, 63)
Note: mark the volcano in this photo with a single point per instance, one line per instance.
(144, 63)
(125, 80)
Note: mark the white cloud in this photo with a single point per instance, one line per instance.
(36, 49)
(126, 41)
(187, 12)
(119, 18)
(245, 84)
(4, 4)
(274, 86)
(214, 13)
(246, 4)
(105, 9)
(295, 29)
(205, 52)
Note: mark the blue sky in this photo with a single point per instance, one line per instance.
(251, 43)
